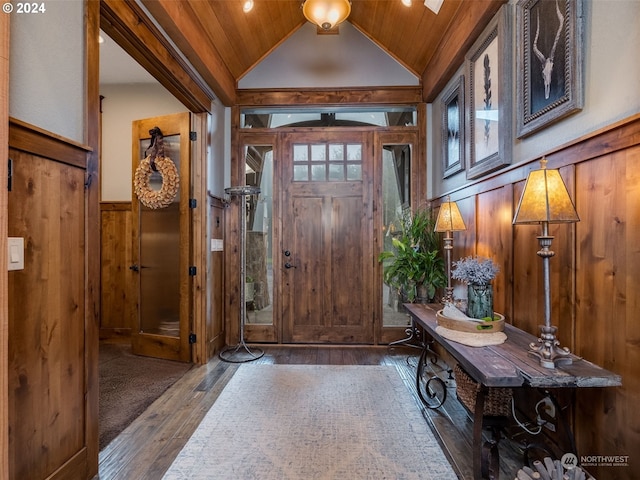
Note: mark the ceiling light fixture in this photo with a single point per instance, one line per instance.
(247, 6)
(327, 14)
(433, 5)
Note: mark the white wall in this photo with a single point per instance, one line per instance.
(122, 104)
(611, 81)
(46, 67)
(219, 158)
(307, 59)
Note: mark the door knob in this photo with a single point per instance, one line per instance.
(134, 267)
(288, 265)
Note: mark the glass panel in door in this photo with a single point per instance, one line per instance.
(159, 256)
(396, 195)
(259, 241)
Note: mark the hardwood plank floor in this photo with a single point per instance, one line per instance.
(146, 449)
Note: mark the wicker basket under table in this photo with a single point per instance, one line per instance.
(497, 402)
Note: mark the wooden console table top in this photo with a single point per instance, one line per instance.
(509, 364)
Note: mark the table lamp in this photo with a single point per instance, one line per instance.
(545, 200)
(449, 220)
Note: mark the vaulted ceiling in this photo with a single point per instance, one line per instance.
(223, 43)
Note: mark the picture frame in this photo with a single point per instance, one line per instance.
(550, 62)
(453, 138)
(488, 117)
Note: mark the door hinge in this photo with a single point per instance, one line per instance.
(192, 271)
(10, 175)
(193, 203)
(192, 338)
(193, 136)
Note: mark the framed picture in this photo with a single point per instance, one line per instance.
(550, 80)
(453, 129)
(488, 66)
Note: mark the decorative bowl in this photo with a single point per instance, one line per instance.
(471, 326)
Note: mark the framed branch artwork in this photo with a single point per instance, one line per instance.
(453, 129)
(488, 66)
(550, 79)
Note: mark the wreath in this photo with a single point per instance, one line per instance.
(170, 182)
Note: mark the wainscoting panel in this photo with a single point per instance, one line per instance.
(117, 280)
(48, 347)
(594, 275)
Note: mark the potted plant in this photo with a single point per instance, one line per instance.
(477, 273)
(249, 289)
(414, 267)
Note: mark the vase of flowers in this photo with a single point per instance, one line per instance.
(477, 273)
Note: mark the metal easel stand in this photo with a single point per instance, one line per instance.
(241, 353)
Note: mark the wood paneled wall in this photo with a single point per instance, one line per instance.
(48, 366)
(117, 304)
(594, 275)
(4, 303)
(215, 325)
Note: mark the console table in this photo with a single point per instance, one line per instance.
(508, 365)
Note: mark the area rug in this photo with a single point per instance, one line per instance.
(128, 385)
(295, 422)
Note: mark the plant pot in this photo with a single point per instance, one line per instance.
(423, 294)
(480, 300)
(249, 292)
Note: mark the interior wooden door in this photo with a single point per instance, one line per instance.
(161, 251)
(326, 250)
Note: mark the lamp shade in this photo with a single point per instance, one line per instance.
(545, 199)
(449, 218)
(326, 13)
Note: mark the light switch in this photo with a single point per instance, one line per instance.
(16, 253)
(216, 245)
(14, 257)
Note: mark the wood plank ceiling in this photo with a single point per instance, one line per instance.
(223, 43)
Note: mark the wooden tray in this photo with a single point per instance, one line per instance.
(469, 326)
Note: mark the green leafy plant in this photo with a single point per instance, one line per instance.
(415, 263)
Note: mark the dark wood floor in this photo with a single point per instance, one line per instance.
(146, 449)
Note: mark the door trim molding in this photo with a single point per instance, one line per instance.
(131, 28)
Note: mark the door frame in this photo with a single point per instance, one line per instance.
(266, 333)
(382, 135)
(136, 33)
(384, 334)
(131, 28)
(4, 275)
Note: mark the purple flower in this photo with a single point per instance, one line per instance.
(474, 270)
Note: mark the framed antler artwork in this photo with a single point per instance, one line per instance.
(549, 62)
(488, 115)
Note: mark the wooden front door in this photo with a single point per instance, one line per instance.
(161, 252)
(326, 249)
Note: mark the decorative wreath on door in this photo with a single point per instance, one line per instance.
(156, 162)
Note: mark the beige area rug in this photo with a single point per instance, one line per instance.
(302, 422)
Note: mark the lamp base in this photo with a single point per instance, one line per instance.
(548, 350)
(448, 295)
